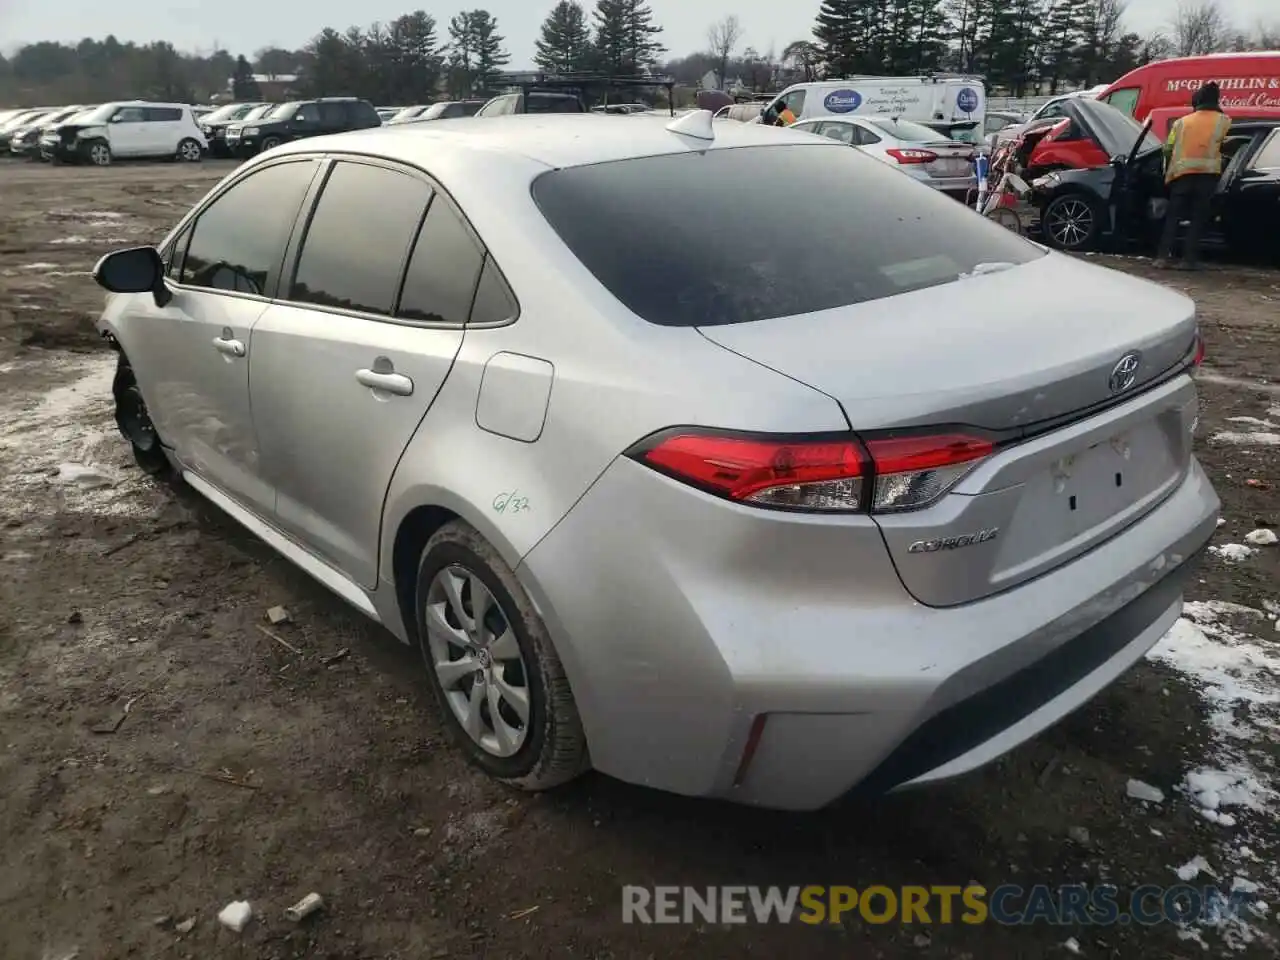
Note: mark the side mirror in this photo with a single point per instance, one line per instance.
(136, 270)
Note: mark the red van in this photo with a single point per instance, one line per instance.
(1250, 85)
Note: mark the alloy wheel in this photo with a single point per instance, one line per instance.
(477, 661)
(189, 151)
(1070, 223)
(100, 154)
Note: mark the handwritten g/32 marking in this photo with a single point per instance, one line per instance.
(510, 502)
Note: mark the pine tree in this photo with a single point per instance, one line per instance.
(243, 85)
(626, 37)
(837, 38)
(565, 43)
(491, 57)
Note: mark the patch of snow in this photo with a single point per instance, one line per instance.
(1238, 676)
(1254, 422)
(1138, 790)
(1248, 439)
(1072, 945)
(1193, 868)
(39, 266)
(1232, 552)
(63, 453)
(1261, 537)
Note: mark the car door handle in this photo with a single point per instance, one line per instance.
(232, 348)
(396, 383)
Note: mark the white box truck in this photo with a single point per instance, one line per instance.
(939, 98)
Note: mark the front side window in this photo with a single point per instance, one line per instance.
(238, 241)
(129, 115)
(651, 230)
(358, 238)
(1268, 157)
(794, 100)
(1126, 100)
(441, 279)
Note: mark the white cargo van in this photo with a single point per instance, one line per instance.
(943, 98)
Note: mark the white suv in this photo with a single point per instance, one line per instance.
(131, 130)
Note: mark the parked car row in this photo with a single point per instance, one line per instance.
(133, 129)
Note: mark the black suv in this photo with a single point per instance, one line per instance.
(299, 119)
(533, 102)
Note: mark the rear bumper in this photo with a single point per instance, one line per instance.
(680, 627)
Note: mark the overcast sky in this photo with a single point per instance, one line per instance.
(243, 26)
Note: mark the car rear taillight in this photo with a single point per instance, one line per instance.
(912, 156)
(808, 474)
(914, 471)
(1198, 357)
(825, 473)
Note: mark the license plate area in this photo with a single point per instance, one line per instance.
(1090, 487)
(951, 167)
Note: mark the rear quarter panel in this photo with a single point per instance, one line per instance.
(616, 380)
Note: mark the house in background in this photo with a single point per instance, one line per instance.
(273, 87)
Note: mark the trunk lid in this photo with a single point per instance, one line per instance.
(1013, 352)
(954, 159)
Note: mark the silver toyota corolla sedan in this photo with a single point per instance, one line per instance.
(719, 458)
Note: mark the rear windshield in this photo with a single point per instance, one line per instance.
(906, 130)
(734, 235)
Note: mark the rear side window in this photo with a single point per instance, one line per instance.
(652, 230)
(494, 301)
(358, 238)
(238, 240)
(333, 114)
(363, 112)
(441, 279)
(163, 114)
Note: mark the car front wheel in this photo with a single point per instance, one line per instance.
(99, 153)
(492, 666)
(189, 151)
(1072, 222)
(269, 143)
(134, 421)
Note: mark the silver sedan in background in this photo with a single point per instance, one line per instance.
(753, 493)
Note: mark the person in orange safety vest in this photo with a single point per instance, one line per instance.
(780, 116)
(1193, 165)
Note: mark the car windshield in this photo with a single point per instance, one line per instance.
(423, 113)
(906, 130)
(258, 113)
(227, 112)
(653, 231)
(1117, 132)
(282, 111)
(60, 115)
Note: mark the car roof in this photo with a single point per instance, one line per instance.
(554, 140)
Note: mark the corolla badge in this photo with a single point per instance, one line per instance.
(842, 101)
(1125, 373)
(954, 543)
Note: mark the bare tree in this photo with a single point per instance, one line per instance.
(803, 57)
(1199, 27)
(722, 40)
(1266, 36)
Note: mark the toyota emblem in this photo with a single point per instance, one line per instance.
(1125, 373)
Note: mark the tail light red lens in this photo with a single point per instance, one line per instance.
(806, 475)
(912, 156)
(1198, 357)
(819, 474)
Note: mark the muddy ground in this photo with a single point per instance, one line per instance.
(248, 769)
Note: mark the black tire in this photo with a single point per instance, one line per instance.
(1072, 222)
(268, 144)
(189, 151)
(134, 422)
(98, 153)
(554, 750)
